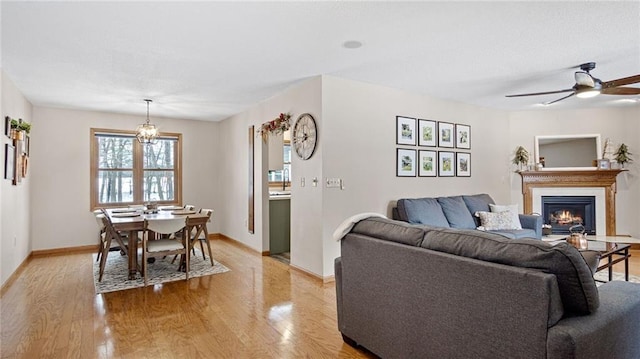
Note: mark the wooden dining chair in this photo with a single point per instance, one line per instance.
(202, 234)
(189, 207)
(108, 236)
(98, 215)
(166, 246)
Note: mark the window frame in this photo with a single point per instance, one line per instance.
(138, 168)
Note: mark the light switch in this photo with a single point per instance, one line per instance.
(301, 181)
(333, 182)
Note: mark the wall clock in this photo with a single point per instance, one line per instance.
(305, 136)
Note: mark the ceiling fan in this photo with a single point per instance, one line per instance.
(588, 86)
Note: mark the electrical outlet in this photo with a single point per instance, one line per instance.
(314, 181)
(334, 182)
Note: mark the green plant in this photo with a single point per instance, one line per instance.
(521, 156)
(14, 123)
(24, 126)
(623, 155)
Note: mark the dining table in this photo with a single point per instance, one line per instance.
(131, 220)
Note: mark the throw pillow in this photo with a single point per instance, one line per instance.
(513, 209)
(494, 221)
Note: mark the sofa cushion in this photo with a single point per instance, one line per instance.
(394, 231)
(495, 221)
(456, 212)
(512, 209)
(478, 202)
(423, 211)
(578, 290)
(516, 233)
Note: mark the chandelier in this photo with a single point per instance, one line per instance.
(146, 133)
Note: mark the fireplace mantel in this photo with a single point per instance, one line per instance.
(586, 178)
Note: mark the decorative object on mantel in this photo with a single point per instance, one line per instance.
(275, 126)
(521, 158)
(623, 155)
(147, 133)
(607, 150)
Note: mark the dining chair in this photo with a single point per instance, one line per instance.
(109, 235)
(202, 234)
(166, 246)
(189, 207)
(98, 215)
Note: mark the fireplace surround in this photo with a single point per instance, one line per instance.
(600, 180)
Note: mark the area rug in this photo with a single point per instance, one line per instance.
(161, 271)
(603, 276)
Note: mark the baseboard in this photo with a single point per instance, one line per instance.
(67, 250)
(327, 279)
(15, 274)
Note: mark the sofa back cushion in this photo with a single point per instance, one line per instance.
(389, 230)
(578, 290)
(423, 211)
(476, 203)
(456, 212)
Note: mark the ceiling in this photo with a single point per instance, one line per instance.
(211, 60)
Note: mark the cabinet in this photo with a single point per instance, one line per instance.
(279, 225)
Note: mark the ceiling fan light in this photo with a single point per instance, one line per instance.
(588, 93)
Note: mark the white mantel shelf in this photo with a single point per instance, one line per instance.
(580, 178)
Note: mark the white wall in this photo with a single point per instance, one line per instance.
(15, 243)
(360, 147)
(621, 125)
(60, 162)
(305, 201)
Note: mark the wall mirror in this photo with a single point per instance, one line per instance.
(567, 152)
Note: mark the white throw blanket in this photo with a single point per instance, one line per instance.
(348, 223)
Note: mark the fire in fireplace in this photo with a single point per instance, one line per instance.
(563, 212)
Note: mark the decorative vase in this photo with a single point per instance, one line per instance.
(17, 135)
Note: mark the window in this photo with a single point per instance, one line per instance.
(276, 176)
(125, 172)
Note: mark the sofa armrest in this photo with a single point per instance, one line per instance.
(611, 332)
(531, 221)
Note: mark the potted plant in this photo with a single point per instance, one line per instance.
(623, 155)
(521, 157)
(19, 128)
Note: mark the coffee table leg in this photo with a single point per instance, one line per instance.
(626, 264)
(610, 267)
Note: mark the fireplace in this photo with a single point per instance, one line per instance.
(563, 212)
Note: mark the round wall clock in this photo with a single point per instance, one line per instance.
(305, 136)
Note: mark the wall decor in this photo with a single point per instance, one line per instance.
(446, 164)
(427, 133)
(463, 164)
(405, 162)
(25, 147)
(17, 162)
(463, 136)
(604, 164)
(9, 158)
(428, 162)
(445, 134)
(405, 131)
(7, 126)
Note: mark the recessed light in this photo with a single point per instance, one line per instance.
(352, 44)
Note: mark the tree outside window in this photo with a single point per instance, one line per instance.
(126, 172)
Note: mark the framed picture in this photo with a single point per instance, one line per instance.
(428, 163)
(405, 131)
(463, 164)
(463, 136)
(9, 161)
(405, 163)
(25, 146)
(446, 164)
(445, 134)
(604, 164)
(7, 126)
(427, 133)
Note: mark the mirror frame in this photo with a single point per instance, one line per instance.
(536, 145)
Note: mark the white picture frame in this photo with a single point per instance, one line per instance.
(463, 136)
(427, 133)
(446, 164)
(405, 162)
(428, 163)
(463, 164)
(446, 134)
(405, 131)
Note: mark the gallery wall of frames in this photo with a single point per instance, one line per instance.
(428, 148)
(16, 153)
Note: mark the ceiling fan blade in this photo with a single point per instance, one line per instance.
(584, 79)
(621, 91)
(540, 93)
(560, 99)
(621, 82)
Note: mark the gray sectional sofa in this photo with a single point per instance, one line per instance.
(458, 212)
(415, 291)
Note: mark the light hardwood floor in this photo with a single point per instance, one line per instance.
(260, 309)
